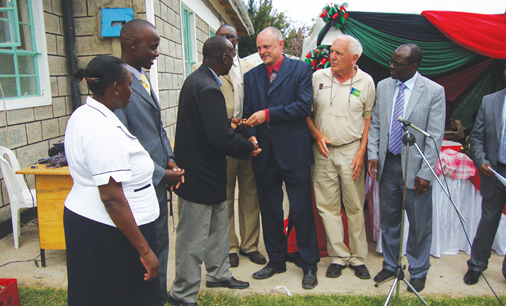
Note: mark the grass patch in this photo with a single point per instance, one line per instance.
(58, 297)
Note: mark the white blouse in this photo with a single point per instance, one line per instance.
(98, 146)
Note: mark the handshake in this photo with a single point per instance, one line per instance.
(239, 125)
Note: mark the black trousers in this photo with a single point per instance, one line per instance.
(270, 197)
(103, 267)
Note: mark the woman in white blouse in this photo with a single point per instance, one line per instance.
(110, 211)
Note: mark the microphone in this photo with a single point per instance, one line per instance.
(407, 123)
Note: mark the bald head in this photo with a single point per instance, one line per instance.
(139, 43)
(272, 32)
(229, 33)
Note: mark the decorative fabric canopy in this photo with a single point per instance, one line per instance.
(483, 34)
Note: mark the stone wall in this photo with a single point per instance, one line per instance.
(32, 131)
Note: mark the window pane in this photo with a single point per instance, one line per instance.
(6, 33)
(7, 66)
(26, 65)
(9, 87)
(25, 36)
(28, 86)
(23, 13)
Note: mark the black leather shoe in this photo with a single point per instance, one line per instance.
(418, 284)
(255, 257)
(309, 281)
(234, 260)
(232, 283)
(334, 270)
(383, 275)
(172, 301)
(471, 277)
(361, 271)
(267, 272)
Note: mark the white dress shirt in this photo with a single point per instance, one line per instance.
(99, 147)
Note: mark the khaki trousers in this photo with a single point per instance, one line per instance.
(241, 171)
(332, 181)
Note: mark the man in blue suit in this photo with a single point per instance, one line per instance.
(277, 100)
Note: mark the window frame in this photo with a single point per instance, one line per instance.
(41, 65)
(188, 39)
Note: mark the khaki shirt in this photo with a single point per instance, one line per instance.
(340, 109)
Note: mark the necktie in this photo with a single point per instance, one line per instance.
(145, 83)
(273, 75)
(396, 133)
(504, 145)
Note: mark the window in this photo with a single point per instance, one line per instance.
(21, 37)
(212, 33)
(188, 39)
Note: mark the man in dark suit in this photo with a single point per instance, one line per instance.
(204, 138)
(277, 100)
(422, 102)
(142, 117)
(488, 149)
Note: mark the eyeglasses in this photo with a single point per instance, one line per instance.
(397, 64)
(229, 36)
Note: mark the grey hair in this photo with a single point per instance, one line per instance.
(275, 32)
(354, 47)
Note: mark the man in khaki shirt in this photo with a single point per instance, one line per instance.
(343, 98)
(240, 171)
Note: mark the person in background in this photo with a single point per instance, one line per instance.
(240, 171)
(488, 150)
(110, 212)
(343, 98)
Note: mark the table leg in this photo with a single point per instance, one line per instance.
(43, 257)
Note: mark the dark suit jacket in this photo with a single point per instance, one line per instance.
(289, 100)
(204, 139)
(142, 117)
(485, 138)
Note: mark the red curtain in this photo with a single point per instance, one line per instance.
(459, 81)
(480, 33)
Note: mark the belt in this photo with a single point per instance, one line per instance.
(398, 156)
(342, 145)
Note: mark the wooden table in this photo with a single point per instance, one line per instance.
(52, 186)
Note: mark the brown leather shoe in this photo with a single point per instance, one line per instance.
(334, 270)
(255, 257)
(234, 260)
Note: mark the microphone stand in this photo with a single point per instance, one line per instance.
(408, 140)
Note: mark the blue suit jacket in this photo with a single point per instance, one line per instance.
(289, 100)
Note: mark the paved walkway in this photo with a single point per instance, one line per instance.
(445, 275)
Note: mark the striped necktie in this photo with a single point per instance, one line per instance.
(145, 83)
(396, 133)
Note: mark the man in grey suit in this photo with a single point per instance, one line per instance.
(488, 149)
(142, 117)
(422, 102)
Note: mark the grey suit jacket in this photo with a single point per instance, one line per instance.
(143, 119)
(486, 137)
(425, 109)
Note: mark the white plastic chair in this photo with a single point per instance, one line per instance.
(19, 194)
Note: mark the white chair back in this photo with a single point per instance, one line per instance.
(19, 194)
